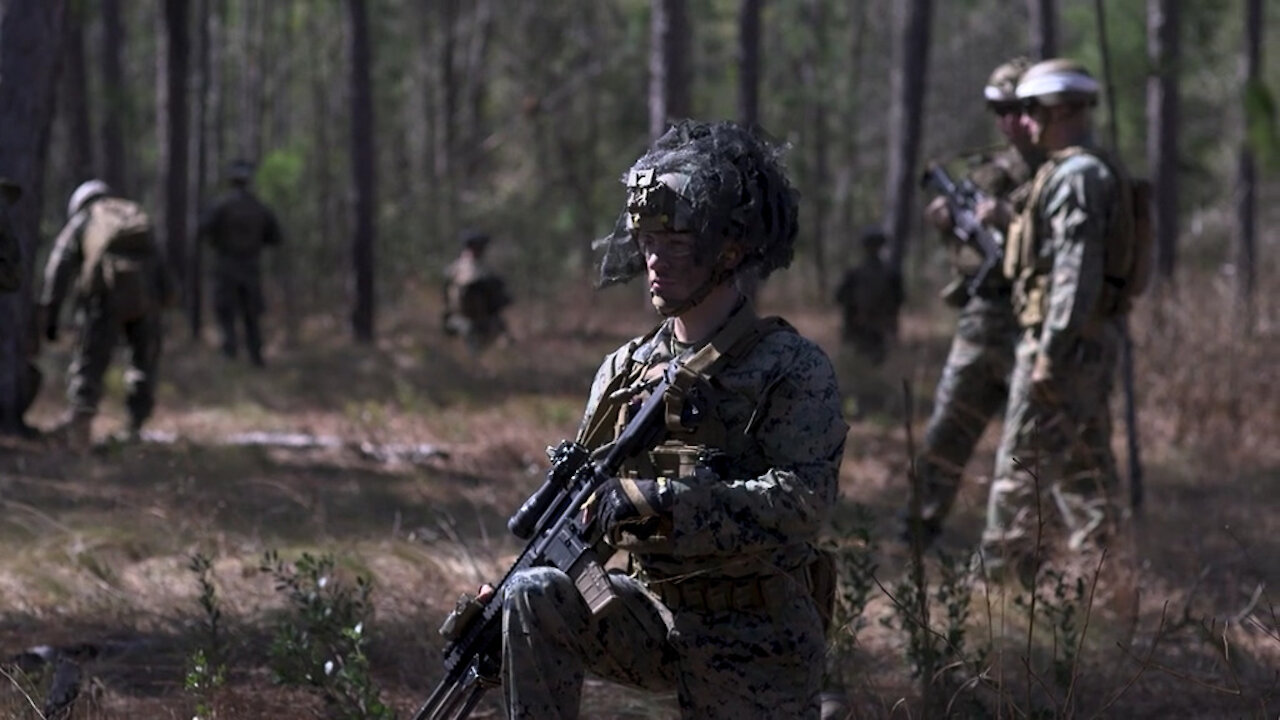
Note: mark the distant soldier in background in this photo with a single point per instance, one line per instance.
(474, 295)
(1075, 262)
(975, 379)
(107, 252)
(871, 295)
(238, 226)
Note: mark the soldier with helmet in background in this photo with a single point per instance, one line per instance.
(239, 226)
(108, 254)
(474, 295)
(975, 379)
(870, 296)
(1070, 257)
(720, 520)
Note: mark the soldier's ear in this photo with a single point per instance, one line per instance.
(731, 255)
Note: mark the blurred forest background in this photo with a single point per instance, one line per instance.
(382, 129)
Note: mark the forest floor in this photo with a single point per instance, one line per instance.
(1180, 623)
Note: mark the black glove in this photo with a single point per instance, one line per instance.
(624, 501)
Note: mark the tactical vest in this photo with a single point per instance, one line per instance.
(1030, 270)
(694, 436)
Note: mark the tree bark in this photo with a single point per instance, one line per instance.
(115, 95)
(1163, 54)
(76, 94)
(749, 62)
(670, 40)
(1043, 24)
(195, 275)
(816, 111)
(906, 110)
(31, 37)
(362, 170)
(171, 89)
(1246, 182)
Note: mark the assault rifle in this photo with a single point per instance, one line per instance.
(962, 201)
(551, 519)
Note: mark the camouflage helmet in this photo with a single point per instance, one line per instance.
(718, 181)
(87, 191)
(1058, 82)
(1002, 86)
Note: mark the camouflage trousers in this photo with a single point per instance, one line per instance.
(733, 665)
(100, 333)
(1055, 447)
(972, 390)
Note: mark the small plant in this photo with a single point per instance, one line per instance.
(206, 672)
(1062, 607)
(320, 642)
(854, 556)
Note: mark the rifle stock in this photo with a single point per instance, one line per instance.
(962, 201)
(551, 519)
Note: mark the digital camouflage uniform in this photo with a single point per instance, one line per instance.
(238, 226)
(870, 296)
(73, 265)
(749, 522)
(975, 379)
(718, 603)
(1069, 317)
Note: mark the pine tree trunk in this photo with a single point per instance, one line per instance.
(31, 37)
(749, 62)
(362, 170)
(670, 40)
(1163, 53)
(76, 95)
(115, 93)
(171, 89)
(1246, 182)
(1043, 24)
(906, 110)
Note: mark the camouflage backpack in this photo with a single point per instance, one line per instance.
(120, 257)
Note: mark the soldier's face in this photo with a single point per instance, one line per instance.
(674, 272)
(1009, 121)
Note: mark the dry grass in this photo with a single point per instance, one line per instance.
(98, 544)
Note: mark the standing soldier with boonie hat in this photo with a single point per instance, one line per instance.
(1070, 257)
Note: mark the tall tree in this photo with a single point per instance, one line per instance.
(1043, 24)
(669, 43)
(171, 91)
(362, 169)
(906, 111)
(749, 62)
(204, 88)
(76, 95)
(31, 36)
(1246, 179)
(114, 91)
(448, 86)
(816, 112)
(1163, 54)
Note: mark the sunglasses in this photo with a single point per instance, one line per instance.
(1003, 109)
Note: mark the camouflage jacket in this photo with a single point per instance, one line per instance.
(778, 433)
(65, 261)
(239, 226)
(1004, 175)
(1060, 256)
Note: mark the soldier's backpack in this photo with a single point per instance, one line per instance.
(121, 257)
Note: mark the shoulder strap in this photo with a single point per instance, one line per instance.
(738, 338)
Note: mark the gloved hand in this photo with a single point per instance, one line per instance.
(625, 501)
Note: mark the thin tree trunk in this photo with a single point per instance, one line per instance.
(31, 37)
(1043, 24)
(670, 41)
(816, 108)
(76, 86)
(115, 95)
(749, 62)
(195, 276)
(906, 110)
(1163, 53)
(1246, 182)
(447, 116)
(171, 89)
(362, 170)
